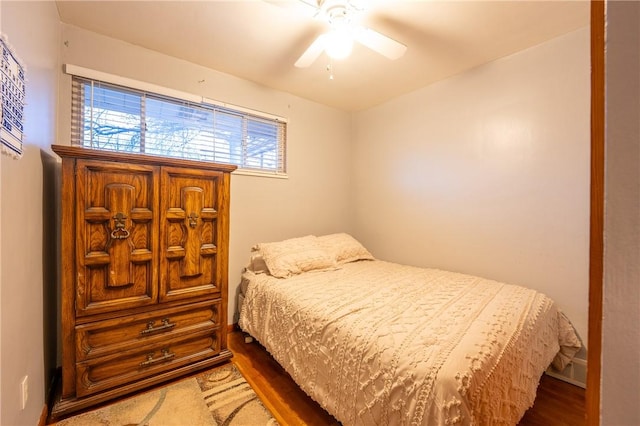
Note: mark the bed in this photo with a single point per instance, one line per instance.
(379, 343)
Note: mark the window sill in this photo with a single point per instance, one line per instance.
(258, 173)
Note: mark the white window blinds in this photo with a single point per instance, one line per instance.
(111, 117)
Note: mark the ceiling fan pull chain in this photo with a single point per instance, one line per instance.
(330, 69)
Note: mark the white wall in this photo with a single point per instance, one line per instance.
(33, 30)
(312, 200)
(621, 308)
(486, 173)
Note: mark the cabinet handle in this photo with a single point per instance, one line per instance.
(166, 325)
(193, 220)
(119, 232)
(166, 356)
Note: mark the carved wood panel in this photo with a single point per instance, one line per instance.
(116, 215)
(189, 239)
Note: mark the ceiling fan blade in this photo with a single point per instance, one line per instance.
(310, 3)
(380, 43)
(302, 8)
(312, 53)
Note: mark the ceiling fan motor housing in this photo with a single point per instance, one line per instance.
(337, 12)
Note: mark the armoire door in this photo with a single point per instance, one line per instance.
(190, 233)
(116, 240)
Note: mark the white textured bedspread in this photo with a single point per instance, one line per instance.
(377, 343)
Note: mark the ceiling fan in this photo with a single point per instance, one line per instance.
(343, 17)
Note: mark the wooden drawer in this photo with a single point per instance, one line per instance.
(120, 334)
(96, 375)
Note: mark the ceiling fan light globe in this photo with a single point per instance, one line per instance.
(339, 44)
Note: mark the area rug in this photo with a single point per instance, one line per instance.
(217, 397)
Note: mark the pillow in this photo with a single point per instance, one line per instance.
(257, 264)
(344, 248)
(294, 256)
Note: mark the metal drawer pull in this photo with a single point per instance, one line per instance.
(193, 220)
(120, 232)
(166, 325)
(166, 356)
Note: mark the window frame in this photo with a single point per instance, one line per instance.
(158, 93)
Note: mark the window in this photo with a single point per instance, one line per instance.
(111, 117)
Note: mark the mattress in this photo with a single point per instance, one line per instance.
(379, 343)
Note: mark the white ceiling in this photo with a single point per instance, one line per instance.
(260, 40)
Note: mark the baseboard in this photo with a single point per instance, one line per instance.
(51, 396)
(43, 416)
(574, 373)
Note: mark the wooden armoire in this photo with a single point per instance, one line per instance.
(144, 245)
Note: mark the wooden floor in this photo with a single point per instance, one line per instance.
(557, 403)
